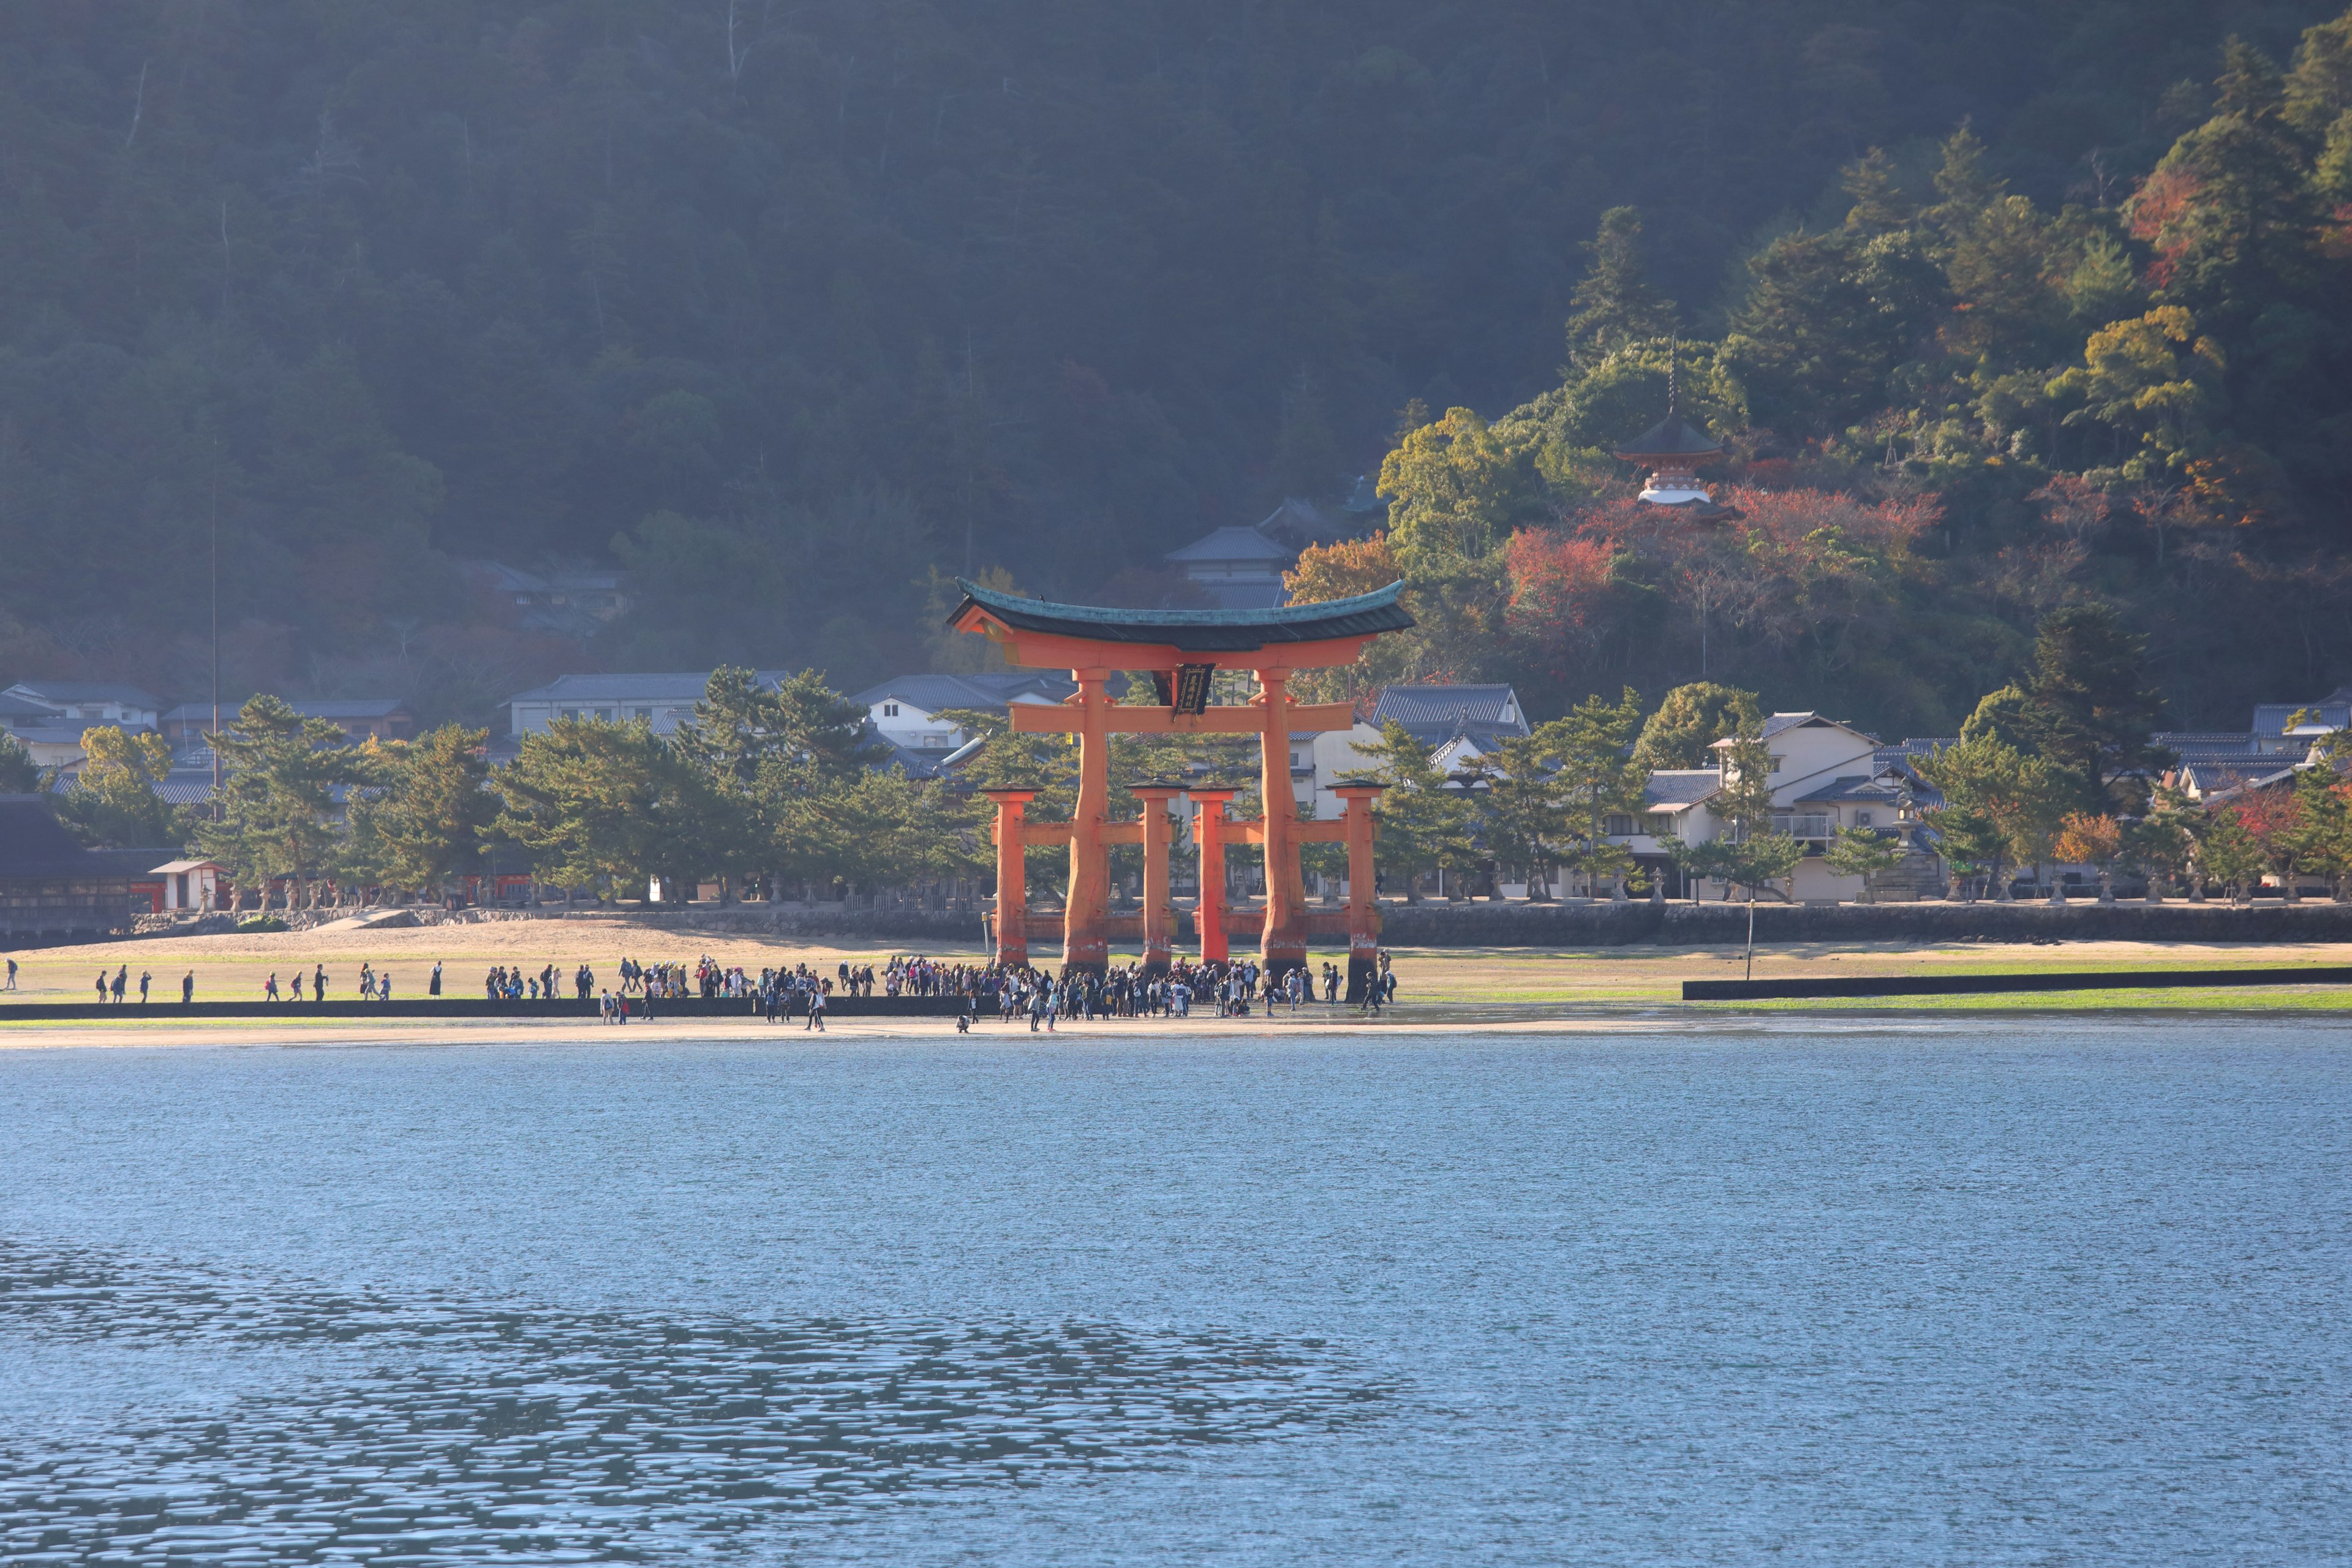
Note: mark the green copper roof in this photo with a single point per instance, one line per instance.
(1195, 631)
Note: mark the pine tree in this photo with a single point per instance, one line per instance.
(1615, 304)
(1425, 822)
(428, 824)
(278, 800)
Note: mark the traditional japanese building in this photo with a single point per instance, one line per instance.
(1673, 450)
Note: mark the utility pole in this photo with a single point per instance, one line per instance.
(215, 597)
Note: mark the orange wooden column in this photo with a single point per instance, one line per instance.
(1209, 836)
(1085, 917)
(1363, 899)
(1282, 944)
(1159, 909)
(1012, 878)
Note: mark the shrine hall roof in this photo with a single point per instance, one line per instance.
(1195, 631)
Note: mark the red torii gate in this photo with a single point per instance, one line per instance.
(1181, 649)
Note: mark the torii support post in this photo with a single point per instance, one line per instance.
(1012, 879)
(1363, 895)
(1209, 838)
(1159, 908)
(1282, 946)
(1085, 917)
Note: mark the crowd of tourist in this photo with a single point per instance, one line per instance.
(1233, 988)
(1230, 989)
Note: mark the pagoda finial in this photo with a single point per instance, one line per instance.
(1673, 356)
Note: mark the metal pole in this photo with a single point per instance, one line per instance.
(1751, 932)
(215, 597)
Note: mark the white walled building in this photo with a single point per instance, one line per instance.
(664, 701)
(906, 712)
(1825, 776)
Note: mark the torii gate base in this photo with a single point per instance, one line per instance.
(1184, 647)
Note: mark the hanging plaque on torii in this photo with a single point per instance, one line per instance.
(1182, 649)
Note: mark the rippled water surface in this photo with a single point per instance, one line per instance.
(2027, 1293)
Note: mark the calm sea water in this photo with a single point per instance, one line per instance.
(2026, 1293)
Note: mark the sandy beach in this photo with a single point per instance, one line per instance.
(1439, 989)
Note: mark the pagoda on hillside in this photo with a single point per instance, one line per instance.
(1673, 450)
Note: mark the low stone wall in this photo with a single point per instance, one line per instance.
(1433, 924)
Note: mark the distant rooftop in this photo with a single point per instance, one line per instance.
(984, 691)
(633, 688)
(1232, 543)
(60, 691)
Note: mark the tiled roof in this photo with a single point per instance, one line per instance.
(2204, 780)
(1856, 787)
(56, 691)
(1192, 631)
(1914, 749)
(1232, 543)
(1780, 723)
(13, 706)
(986, 692)
(683, 685)
(34, 843)
(1679, 787)
(1431, 705)
(2333, 711)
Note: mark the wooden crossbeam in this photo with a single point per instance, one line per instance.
(1058, 719)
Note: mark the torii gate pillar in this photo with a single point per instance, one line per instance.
(1159, 906)
(1208, 838)
(1012, 879)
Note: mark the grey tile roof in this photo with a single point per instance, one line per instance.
(1780, 723)
(1448, 705)
(986, 691)
(2210, 778)
(686, 685)
(13, 707)
(1856, 787)
(34, 843)
(1232, 543)
(1680, 786)
(2333, 711)
(56, 691)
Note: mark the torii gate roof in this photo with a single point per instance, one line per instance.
(1191, 631)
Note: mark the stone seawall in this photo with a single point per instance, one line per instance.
(1716, 925)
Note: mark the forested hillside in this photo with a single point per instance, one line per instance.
(788, 308)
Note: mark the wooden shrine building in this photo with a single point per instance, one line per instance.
(1183, 650)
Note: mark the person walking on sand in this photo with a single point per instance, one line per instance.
(101, 987)
(12, 974)
(143, 978)
(121, 979)
(270, 987)
(318, 984)
(298, 985)
(816, 1011)
(432, 986)
(187, 987)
